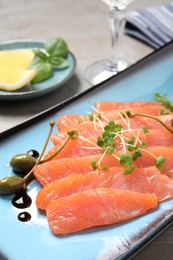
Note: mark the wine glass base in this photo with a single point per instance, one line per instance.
(102, 70)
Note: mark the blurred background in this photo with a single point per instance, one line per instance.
(83, 24)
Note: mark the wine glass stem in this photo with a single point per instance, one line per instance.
(116, 23)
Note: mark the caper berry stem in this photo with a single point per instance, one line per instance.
(70, 134)
(52, 123)
(57, 151)
(30, 175)
(131, 115)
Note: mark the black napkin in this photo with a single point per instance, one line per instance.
(153, 25)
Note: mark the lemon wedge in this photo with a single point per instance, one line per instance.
(13, 78)
(21, 58)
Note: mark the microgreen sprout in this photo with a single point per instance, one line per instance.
(106, 141)
(136, 154)
(129, 170)
(126, 160)
(134, 145)
(145, 130)
(95, 166)
(92, 116)
(163, 112)
(159, 162)
(79, 120)
(164, 101)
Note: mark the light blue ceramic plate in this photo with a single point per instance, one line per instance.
(35, 90)
(33, 239)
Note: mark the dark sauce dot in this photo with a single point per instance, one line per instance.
(24, 216)
(21, 200)
(33, 153)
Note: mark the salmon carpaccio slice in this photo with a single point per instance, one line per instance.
(144, 180)
(59, 168)
(70, 120)
(97, 207)
(115, 105)
(75, 148)
(93, 128)
(81, 147)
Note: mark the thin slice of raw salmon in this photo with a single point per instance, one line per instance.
(75, 148)
(115, 105)
(86, 129)
(71, 120)
(127, 123)
(97, 207)
(83, 146)
(144, 180)
(59, 168)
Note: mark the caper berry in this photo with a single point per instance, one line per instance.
(33, 153)
(22, 163)
(11, 184)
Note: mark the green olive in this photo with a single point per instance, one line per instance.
(22, 163)
(11, 184)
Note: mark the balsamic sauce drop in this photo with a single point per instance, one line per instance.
(24, 216)
(21, 201)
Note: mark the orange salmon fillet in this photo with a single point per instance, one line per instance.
(71, 120)
(96, 207)
(115, 105)
(87, 127)
(81, 147)
(144, 180)
(75, 148)
(59, 168)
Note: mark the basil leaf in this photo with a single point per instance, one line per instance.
(44, 71)
(40, 53)
(58, 62)
(57, 47)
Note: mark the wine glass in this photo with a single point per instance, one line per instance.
(101, 70)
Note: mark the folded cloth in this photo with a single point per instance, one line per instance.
(153, 25)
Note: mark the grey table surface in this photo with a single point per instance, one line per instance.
(84, 25)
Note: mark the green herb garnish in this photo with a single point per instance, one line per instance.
(163, 112)
(52, 56)
(106, 141)
(126, 159)
(129, 170)
(159, 162)
(145, 130)
(94, 164)
(92, 116)
(164, 101)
